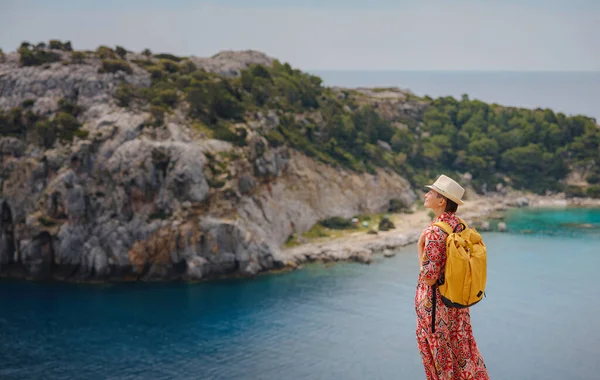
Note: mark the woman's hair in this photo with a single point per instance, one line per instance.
(451, 206)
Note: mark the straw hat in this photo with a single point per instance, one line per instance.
(449, 188)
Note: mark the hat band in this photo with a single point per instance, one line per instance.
(444, 193)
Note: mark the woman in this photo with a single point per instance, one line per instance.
(446, 341)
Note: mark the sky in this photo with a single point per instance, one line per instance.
(550, 35)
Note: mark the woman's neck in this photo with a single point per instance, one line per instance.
(438, 212)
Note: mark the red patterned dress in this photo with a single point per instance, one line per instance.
(449, 353)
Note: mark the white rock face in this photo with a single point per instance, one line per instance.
(46, 86)
(229, 63)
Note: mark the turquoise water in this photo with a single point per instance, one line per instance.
(574, 223)
(540, 319)
(574, 92)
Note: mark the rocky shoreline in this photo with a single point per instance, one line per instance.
(364, 247)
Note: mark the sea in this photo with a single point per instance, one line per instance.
(539, 320)
(570, 92)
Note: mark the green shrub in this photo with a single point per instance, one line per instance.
(275, 138)
(222, 131)
(13, 123)
(58, 45)
(159, 214)
(65, 125)
(593, 191)
(168, 97)
(145, 63)
(188, 67)
(337, 223)
(156, 72)
(169, 65)
(55, 44)
(78, 57)
(124, 95)
(104, 52)
(574, 192)
(385, 224)
(168, 56)
(397, 205)
(158, 116)
(37, 57)
(183, 82)
(121, 51)
(593, 178)
(216, 183)
(28, 103)
(114, 65)
(40, 129)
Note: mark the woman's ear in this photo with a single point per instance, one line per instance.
(443, 203)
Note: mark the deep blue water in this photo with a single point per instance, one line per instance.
(540, 319)
(568, 92)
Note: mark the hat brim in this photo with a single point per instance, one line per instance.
(449, 196)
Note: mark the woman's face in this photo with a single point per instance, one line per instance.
(431, 199)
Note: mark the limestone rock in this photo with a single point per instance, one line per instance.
(364, 257)
(272, 163)
(37, 255)
(196, 267)
(384, 145)
(230, 63)
(519, 202)
(11, 146)
(485, 226)
(75, 81)
(246, 184)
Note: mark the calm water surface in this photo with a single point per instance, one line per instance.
(348, 321)
(570, 92)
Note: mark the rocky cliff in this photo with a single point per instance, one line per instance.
(127, 198)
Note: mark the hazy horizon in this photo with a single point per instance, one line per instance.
(570, 92)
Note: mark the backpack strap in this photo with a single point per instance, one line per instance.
(444, 226)
(447, 229)
(463, 223)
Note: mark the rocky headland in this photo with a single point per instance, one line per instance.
(123, 166)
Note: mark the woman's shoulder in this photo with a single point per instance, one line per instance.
(449, 218)
(435, 233)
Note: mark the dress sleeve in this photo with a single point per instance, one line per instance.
(434, 253)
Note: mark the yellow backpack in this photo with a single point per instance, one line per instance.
(465, 276)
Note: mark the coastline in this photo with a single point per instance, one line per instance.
(362, 247)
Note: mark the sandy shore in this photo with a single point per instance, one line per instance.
(361, 246)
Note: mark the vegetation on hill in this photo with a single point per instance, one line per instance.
(527, 149)
(533, 148)
(523, 148)
(332, 129)
(23, 123)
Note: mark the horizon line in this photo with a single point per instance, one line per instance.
(459, 70)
